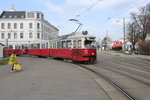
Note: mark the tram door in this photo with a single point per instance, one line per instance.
(77, 54)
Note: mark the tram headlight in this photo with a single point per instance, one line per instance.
(92, 53)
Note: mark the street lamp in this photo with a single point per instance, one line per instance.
(124, 32)
(76, 21)
(6, 43)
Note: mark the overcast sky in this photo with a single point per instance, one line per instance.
(97, 16)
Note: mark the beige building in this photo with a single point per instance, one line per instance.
(25, 29)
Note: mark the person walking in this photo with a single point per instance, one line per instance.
(13, 60)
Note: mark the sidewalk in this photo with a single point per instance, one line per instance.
(48, 79)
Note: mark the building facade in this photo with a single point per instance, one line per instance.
(25, 29)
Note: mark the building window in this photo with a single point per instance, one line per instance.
(10, 16)
(2, 25)
(38, 35)
(2, 35)
(9, 25)
(22, 16)
(42, 36)
(30, 15)
(15, 25)
(30, 35)
(9, 35)
(21, 25)
(15, 16)
(30, 25)
(15, 35)
(4, 16)
(21, 35)
(42, 26)
(38, 25)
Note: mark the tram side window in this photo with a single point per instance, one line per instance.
(46, 45)
(68, 44)
(79, 44)
(38, 46)
(58, 45)
(10, 47)
(54, 45)
(50, 45)
(74, 44)
(63, 44)
(43, 46)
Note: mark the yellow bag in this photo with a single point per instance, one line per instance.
(17, 66)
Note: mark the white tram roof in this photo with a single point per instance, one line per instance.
(80, 35)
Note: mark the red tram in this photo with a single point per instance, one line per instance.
(78, 48)
(117, 45)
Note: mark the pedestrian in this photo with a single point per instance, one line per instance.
(13, 60)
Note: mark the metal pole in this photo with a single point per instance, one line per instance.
(124, 48)
(6, 43)
(80, 25)
(107, 39)
(78, 28)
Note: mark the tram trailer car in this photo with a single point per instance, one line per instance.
(8, 51)
(17, 51)
(79, 48)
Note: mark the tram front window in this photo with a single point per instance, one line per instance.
(89, 44)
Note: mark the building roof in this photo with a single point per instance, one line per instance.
(12, 14)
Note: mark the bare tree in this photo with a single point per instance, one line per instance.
(133, 33)
(139, 27)
(142, 20)
(148, 8)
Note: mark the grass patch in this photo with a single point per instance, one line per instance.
(3, 61)
(121, 51)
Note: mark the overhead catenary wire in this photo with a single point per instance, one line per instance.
(83, 12)
(109, 18)
(128, 9)
(89, 8)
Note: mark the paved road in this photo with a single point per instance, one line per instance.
(131, 73)
(48, 79)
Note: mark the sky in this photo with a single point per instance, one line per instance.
(98, 17)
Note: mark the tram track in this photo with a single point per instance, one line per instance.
(125, 64)
(109, 81)
(139, 75)
(136, 62)
(134, 66)
(121, 73)
(128, 69)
